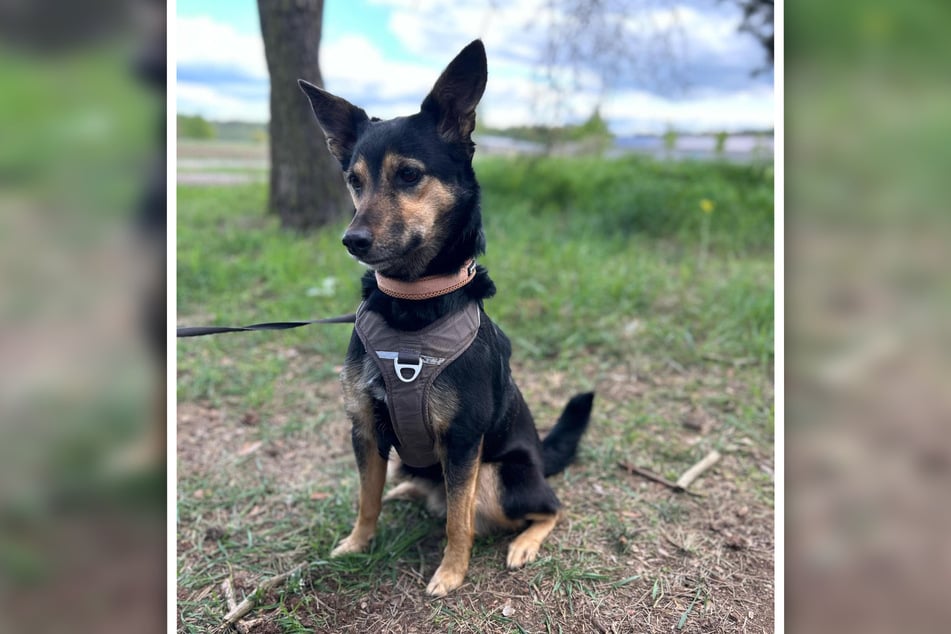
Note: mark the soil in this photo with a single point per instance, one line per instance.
(638, 556)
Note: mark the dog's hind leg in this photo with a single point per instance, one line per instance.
(407, 490)
(524, 548)
(372, 468)
(527, 496)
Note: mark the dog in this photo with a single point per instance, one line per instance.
(465, 437)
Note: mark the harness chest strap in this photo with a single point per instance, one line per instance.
(410, 362)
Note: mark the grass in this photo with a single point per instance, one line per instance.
(598, 270)
(611, 276)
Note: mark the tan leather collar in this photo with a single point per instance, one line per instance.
(427, 287)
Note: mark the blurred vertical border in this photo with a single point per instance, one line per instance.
(82, 316)
(868, 334)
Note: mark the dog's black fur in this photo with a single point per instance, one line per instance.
(417, 214)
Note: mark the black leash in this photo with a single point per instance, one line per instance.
(199, 331)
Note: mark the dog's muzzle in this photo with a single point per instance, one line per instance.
(358, 241)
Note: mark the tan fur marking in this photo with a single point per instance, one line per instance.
(443, 406)
(489, 514)
(371, 495)
(393, 162)
(524, 548)
(359, 407)
(356, 399)
(421, 206)
(408, 490)
(460, 531)
(361, 171)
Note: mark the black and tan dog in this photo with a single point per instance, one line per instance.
(469, 443)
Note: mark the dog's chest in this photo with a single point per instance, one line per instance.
(371, 380)
(401, 369)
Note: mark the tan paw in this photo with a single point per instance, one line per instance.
(444, 582)
(404, 491)
(349, 545)
(521, 552)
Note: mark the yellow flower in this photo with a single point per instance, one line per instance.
(707, 206)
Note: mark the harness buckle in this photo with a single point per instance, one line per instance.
(413, 362)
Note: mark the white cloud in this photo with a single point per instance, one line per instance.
(432, 31)
(202, 41)
(204, 47)
(355, 69)
(703, 50)
(637, 112)
(219, 105)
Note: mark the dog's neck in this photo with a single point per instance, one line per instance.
(427, 287)
(411, 315)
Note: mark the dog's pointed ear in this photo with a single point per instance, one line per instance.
(341, 121)
(457, 92)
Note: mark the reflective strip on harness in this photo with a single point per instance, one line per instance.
(410, 362)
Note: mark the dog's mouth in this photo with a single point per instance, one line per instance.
(379, 258)
(374, 262)
(396, 260)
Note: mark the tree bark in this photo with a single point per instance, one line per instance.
(307, 189)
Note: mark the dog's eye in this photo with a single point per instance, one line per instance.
(409, 175)
(354, 181)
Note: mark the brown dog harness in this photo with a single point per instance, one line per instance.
(410, 363)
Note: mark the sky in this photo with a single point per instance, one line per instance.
(672, 64)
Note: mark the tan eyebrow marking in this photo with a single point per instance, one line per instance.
(393, 162)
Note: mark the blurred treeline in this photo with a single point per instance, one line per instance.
(198, 128)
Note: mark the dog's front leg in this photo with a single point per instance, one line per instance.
(372, 468)
(461, 470)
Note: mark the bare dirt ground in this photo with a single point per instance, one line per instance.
(258, 493)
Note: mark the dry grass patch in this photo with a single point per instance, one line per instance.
(259, 495)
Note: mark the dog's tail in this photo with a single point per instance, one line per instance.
(561, 443)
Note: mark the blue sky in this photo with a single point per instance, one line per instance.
(687, 66)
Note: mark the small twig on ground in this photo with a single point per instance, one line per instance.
(650, 475)
(236, 613)
(227, 588)
(691, 474)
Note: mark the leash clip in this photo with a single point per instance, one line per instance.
(414, 363)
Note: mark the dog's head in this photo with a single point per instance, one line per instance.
(411, 180)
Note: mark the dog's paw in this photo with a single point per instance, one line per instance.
(349, 545)
(404, 491)
(521, 552)
(445, 581)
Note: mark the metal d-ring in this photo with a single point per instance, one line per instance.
(415, 367)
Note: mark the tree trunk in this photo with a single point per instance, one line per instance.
(307, 189)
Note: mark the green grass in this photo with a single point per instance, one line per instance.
(591, 257)
(611, 200)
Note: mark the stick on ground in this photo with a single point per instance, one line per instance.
(235, 614)
(650, 475)
(678, 487)
(227, 588)
(691, 474)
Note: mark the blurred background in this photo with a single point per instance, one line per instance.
(868, 405)
(82, 314)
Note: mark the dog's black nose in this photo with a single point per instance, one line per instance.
(358, 241)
